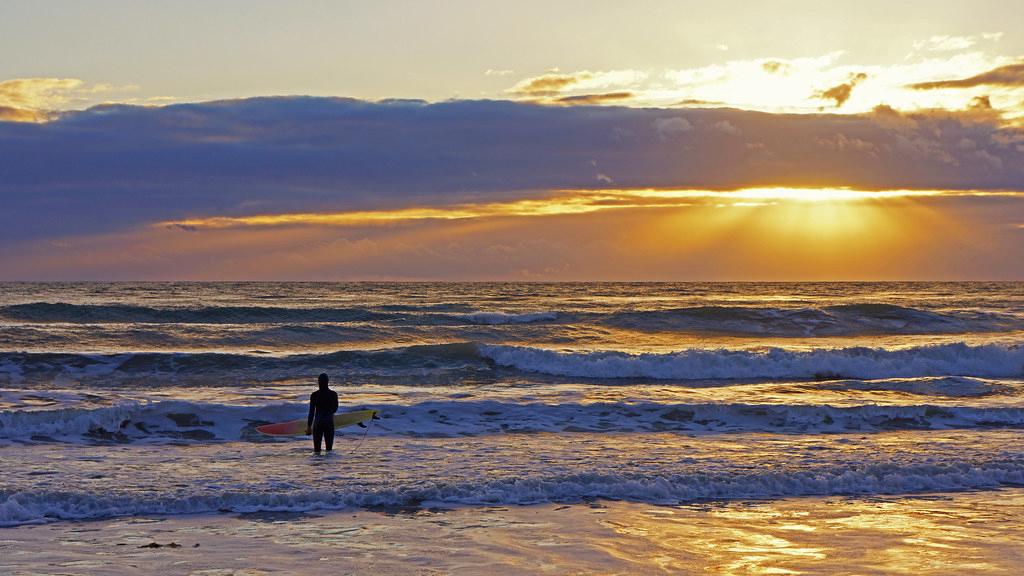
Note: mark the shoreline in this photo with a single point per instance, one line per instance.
(977, 532)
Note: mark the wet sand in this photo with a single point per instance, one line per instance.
(962, 533)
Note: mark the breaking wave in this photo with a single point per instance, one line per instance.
(956, 359)
(192, 422)
(840, 320)
(212, 368)
(438, 362)
(36, 506)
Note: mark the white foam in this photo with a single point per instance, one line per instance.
(181, 421)
(492, 417)
(144, 421)
(956, 359)
(38, 506)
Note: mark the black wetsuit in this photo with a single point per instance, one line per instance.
(322, 405)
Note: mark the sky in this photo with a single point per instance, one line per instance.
(784, 140)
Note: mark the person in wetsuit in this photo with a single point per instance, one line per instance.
(322, 405)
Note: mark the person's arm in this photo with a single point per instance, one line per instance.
(312, 410)
(334, 403)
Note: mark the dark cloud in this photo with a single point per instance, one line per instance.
(586, 99)
(1010, 75)
(841, 93)
(112, 167)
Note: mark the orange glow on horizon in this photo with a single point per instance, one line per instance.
(764, 234)
(771, 232)
(568, 202)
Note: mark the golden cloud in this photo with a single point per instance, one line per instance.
(579, 88)
(1009, 75)
(39, 99)
(841, 92)
(591, 99)
(36, 93)
(568, 202)
(775, 67)
(11, 114)
(549, 84)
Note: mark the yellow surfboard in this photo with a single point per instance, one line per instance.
(299, 426)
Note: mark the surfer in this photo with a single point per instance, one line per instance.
(323, 403)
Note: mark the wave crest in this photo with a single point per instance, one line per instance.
(440, 362)
(183, 421)
(955, 359)
(839, 320)
(39, 506)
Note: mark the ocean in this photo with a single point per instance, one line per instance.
(123, 401)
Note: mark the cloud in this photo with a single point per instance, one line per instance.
(841, 92)
(502, 72)
(113, 167)
(945, 43)
(775, 66)
(11, 114)
(38, 92)
(840, 142)
(726, 127)
(46, 95)
(1009, 75)
(565, 202)
(590, 99)
(582, 87)
(981, 103)
(799, 85)
(746, 235)
(549, 84)
(698, 103)
(668, 127)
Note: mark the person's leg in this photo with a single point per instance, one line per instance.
(318, 433)
(329, 436)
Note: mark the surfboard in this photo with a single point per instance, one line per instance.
(299, 426)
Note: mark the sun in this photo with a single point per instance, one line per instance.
(780, 232)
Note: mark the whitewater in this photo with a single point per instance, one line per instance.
(125, 400)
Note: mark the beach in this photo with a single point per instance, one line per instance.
(538, 428)
(963, 533)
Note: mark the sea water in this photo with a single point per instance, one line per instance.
(135, 399)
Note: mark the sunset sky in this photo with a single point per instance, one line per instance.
(784, 140)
